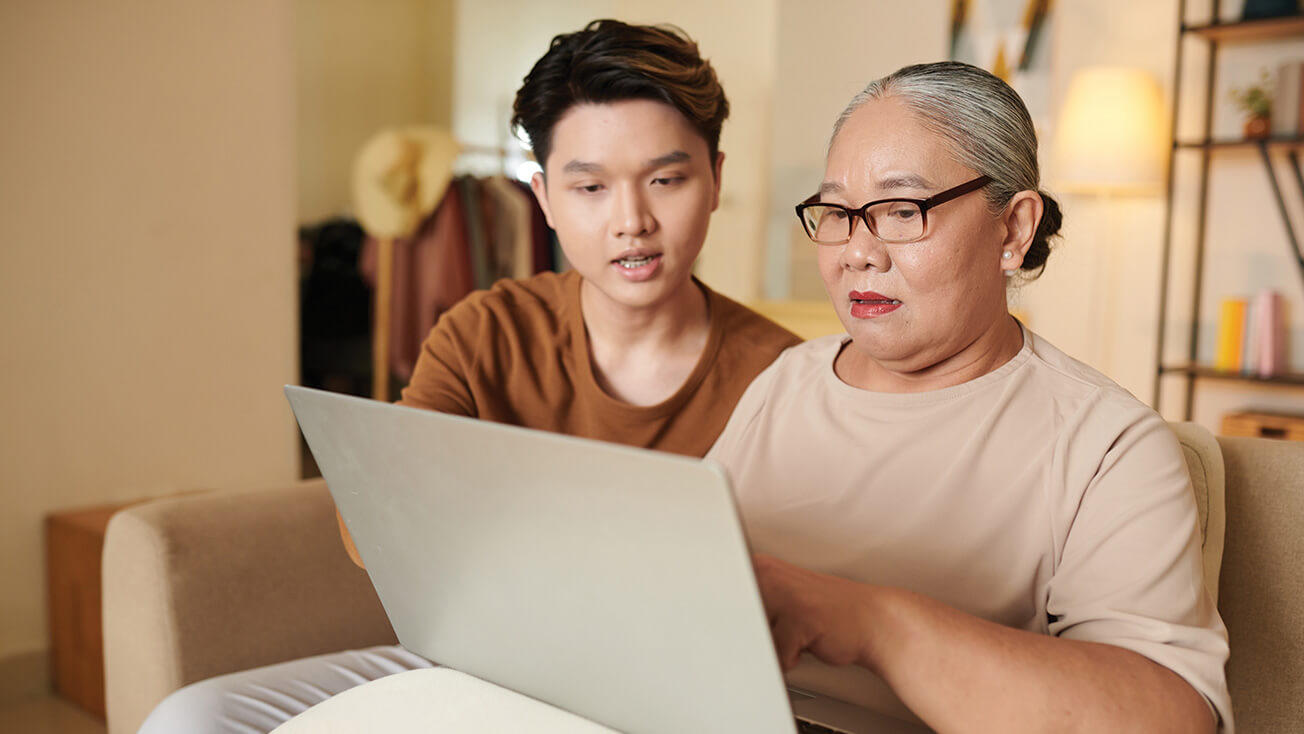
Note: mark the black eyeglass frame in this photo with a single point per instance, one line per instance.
(862, 212)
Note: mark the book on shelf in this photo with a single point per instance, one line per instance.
(1252, 335)
(1231, 330)
(1288, 102)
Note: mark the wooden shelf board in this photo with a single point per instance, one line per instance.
(1210, 373)
(1250, 30)
(1273, 142)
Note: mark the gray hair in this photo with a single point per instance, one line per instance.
(986, 125)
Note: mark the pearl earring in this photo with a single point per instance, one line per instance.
(1007, 255)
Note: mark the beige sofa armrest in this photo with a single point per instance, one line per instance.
(219, 582)
(1204, 462)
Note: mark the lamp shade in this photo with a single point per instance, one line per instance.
(1111, 136)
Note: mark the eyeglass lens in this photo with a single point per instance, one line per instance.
(891, 221)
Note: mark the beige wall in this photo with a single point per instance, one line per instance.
(361, 67)
(819, 67)
(147, 298)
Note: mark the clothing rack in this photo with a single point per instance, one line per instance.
(380, 333)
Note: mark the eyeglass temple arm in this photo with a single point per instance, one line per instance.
(956, 192)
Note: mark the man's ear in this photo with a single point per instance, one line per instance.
(540, 188)
(718, 170)
(1021, 217)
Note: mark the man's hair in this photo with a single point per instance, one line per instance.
(611, 61)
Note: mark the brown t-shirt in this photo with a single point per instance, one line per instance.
(518, 353)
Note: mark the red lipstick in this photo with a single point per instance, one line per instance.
(868, 304)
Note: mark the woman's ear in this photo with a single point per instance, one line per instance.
(539, 185)
(1021, 217)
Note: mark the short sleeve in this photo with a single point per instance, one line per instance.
(441, 379)
(728, 446)
(1131, 571)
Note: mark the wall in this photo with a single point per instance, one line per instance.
(361, 67)
(147, 291)
(822, 60)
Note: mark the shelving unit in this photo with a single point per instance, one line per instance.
(1217, 34)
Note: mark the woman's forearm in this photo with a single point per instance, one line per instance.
(958, 672)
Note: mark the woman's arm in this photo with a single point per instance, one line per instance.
(958, 672)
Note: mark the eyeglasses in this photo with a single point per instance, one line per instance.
(890, 220)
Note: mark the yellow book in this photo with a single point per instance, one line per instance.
(1231, 334)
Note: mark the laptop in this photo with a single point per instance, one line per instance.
(609, 581)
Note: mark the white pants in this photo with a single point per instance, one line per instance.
(259, 700)
(433, 701)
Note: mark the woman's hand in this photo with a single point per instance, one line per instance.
(813, 612)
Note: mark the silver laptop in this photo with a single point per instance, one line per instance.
(608, 581)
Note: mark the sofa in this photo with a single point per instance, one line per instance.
(202, 585)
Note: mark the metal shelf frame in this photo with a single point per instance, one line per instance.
(1215, 34)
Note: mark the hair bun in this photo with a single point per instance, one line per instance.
(1048, 227)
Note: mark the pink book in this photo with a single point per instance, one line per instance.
(1271, 334)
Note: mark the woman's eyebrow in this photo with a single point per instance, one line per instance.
(887, 183)
(904, 181)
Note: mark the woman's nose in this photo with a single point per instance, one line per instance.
(864, 251)
(631, 216)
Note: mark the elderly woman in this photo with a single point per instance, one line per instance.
(951, 516)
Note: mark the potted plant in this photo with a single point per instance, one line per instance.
(1255, 101)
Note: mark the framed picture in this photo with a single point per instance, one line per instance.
(1008, 38)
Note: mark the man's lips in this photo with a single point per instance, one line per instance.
(641, 253)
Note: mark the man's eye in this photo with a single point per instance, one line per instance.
(667, 180)
(590, 188)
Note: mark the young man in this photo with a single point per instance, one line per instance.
(627, 347)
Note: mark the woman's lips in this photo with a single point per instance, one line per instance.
(868, 304)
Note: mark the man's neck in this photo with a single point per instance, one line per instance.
(643, 356)
(615, 328)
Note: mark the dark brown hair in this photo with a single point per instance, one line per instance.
(611, 61)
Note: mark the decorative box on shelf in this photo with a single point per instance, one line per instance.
(1264, 425)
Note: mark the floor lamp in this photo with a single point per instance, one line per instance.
(1111, 142)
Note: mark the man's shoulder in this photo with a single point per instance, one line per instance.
(512, 305)
(749, 330)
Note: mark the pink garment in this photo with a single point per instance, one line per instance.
(432, 271)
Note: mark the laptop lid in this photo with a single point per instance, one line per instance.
(603, 579)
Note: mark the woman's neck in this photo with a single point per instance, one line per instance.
(992, 347)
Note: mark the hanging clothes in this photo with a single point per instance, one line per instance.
(473, 215)
(432, 271)
(512, 235)
(481, 231)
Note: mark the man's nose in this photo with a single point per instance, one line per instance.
(631, 216)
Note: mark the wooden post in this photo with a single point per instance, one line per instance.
(381, 324)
